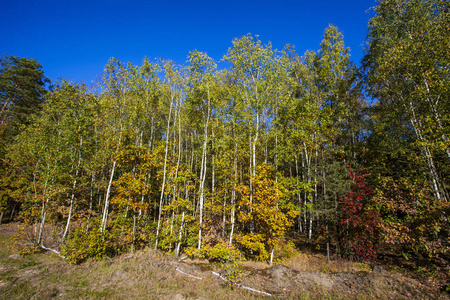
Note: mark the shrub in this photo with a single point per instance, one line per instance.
(360, 222)
(284, 251)
(81, 246)
(221, 252)
(253, 243)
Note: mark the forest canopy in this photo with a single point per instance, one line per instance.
(275, 151)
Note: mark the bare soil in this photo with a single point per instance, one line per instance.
(285, 283)
(152, 275)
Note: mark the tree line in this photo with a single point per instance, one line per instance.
(274, 151)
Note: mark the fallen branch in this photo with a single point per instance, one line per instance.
(183, 272)
(253, 290)
(220, 276)
(52, 250)
(242, 286)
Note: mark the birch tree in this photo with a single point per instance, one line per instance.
(407, 65)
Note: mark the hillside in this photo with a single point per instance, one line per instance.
(152, 275)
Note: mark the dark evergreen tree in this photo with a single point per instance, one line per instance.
(22, 87)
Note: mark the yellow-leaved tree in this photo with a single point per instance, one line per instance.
(266, 216)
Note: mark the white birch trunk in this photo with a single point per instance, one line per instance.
(164, 175)
(233, 194)
(438, 189)
(177, 253)
(203, 176)
(73, 193)
(108, 191)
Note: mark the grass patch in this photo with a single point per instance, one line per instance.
(103, 294)
(27, 264)
(17, 290)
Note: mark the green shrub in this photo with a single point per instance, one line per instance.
(284, 251)
(81, 246)
(221, 252)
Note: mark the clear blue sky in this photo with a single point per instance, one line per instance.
(75, 39)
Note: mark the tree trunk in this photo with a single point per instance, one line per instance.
(134, 232)
(43, 212)
(177, 253)
(433, 105)
(164, 176)
(233, 193)
(271, 255)
(437, 185)
(201, 200)
(108, 191)
(203, 176)
(325, 200)
(73, 192)
(91, 199)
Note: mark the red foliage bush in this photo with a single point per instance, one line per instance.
(360, 224)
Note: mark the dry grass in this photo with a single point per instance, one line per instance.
(152, 275)
(306, 261)
(144, 275)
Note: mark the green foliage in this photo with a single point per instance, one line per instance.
(80, 246)
(236, 159)
(15, 189)
(22, 85)
(284, 251)
(413, 221)
(22, 88)
(407, 67)
(221, 253)
(27, 264)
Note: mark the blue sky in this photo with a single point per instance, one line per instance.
(75, 39)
